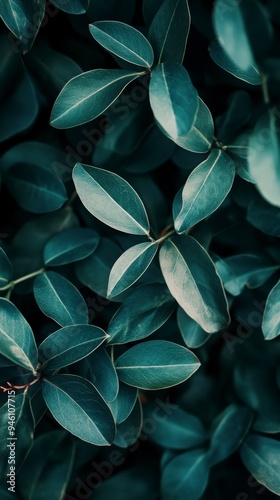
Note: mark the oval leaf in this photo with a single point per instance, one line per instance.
(200, 136)
(271, 318)
(124, 403)
(193, 335)
(69, 246)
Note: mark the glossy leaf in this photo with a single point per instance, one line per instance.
(194, 282)
(69, 246)
(193, 335)
(123, 41)
(6, 270)
(169, 31)
(78, 407)
(206, 188)
(144, 311)
(172, 94)
(69, 344)
(59, 299)
(130, 266)
(110, 199)
(17, 341)
(156, 364)
(271, 319)
(72, 6)
(88, 95)
(200, 136)
(124, 403)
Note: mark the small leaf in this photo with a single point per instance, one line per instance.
(6, 270)
(264, 217)
(193, 335)
(194, 282)
(78, 407)
(88, 95)
(110, 199)
(156, 364)
(206, 188)
(200, 137)
(169, 31)
(124, 403)
(124, 41)
(130, 266)
(72, 6)
(130, 429)
(271, 318)
(59, 299)
(260, 455)
(17, 341)
(70, 245)
(172, 94)
(143, 312)
(69, 344)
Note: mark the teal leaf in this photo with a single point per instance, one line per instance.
(17, 341)
(69, 344)
(130, 429)
(72, 6)
(130, 266)
(35, 189)
(124, 403)
(79, 408)
(156, 364)
(260, 455)
(59, 299)
(150, 9)
(231, 428)
(200, 137)
(193, 335)
(206, 188)
(185, 476)
(264, 157)
(143, 312)
(264, 217)
(111, 199)
(6, 270)
(70, 245)
(271, 319)
(250, 75)
(194, 282)
(123, 41)
(88, 95)
(169, 31)
(172, 94)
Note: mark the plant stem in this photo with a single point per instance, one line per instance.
(23, 278)
(166, 236)
(265, 89)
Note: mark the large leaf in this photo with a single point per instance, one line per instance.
(88, 95)
(123, 41)
(169, 31)
(59, 299)
(69, 344)
(72, 6)
(130, 266)
(260, 455)
(77, 405)
(271, 318)
(6, 270)
(70, 245)
(111, 199)
(205, 189)
(194, 282)
(156, 364)
(172, 94)
(144, 311)
(264, 157)
(17, 341)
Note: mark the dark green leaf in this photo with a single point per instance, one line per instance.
(150, 9)
(72, 6)
(129, 430)
(124, 403)
(69, 246)
(271, 318)
(193, 335)
(264, 217)
(200, 136)
(6, 270)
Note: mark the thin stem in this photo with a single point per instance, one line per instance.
(112, 354)
(233, 146)
(8, 294)
(166, 236)
(23, 278)
(265, 89)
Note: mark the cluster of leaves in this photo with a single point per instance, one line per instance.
(139, 223)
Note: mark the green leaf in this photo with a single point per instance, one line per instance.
(35, 189)
(169, 31)
(200, 136)
(130, 266)
(130, 429)
(111, 199)
(143, 312)
(72, 6)
(17, 341)
(194, 282)
(124, 403)
(172, 94)
(150, 9)
(264, 217)
(250, 75)
(59, 299)
(193, 335)
(185, 476)
(79, 408)
(264, 157)
(88, 95)
(123, 41)
(69, 344)
(232, 426)
(271, 319)
(206, 188)
(69, 246)
(156, 364)
(6, 270)
(260, 455)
